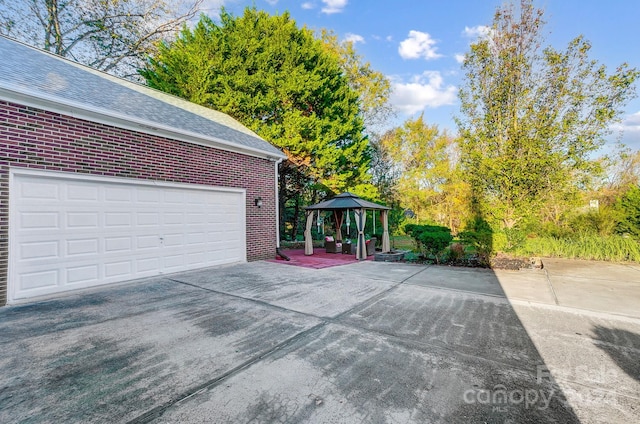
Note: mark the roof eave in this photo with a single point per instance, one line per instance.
(108, 117)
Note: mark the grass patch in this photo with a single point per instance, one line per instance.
(590, 247)
(402, 243)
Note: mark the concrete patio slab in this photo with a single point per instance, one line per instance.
(476, 280)
(324, 293)
(596, 286)
(112, 363)
(481, 326)
(395, 272)
(593, 270)
(592, 356)
(348, 376)
(527, 284)
(369, 342)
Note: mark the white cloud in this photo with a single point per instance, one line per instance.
(476, 32)
(334, 6)
(459, 57)
(354, 38)
(423, 91)
(211, 7)
(272, 2)
(629, 129)
(418, 45)
(308, 5)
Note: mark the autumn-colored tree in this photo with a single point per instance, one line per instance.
(428, 179)
(373, 87)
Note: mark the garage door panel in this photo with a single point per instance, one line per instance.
(146, 196)
(82, 220)
(148, 242)
(144, 219)
(67, 232)
(40, 250)
(117, 244)
(118, 269)
(38, 190)
(83, 246)
(197, 238)
(118, 219)
(38, 220)
(78, 192)
(196, 218)
(174, 261)
(173, 240)
(174, 197)
(84, 275)
(39, 280)
(118, 194)
(173, 218)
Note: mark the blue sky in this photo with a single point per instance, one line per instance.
(417, 44)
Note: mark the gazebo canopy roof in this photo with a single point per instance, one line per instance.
(346, 201)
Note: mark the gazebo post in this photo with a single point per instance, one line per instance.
(386, 244)
(308, 241)
(361, 247)
(373, 220)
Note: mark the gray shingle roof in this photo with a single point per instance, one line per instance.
(38, 74)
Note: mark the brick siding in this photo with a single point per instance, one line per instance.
(37, 139)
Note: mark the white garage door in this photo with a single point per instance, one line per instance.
(69, 232)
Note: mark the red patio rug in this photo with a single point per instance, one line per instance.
(319, 259)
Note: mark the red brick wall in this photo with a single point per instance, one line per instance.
(37, 139)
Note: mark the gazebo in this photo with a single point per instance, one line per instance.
(346, 202)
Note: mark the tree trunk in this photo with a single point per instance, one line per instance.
(296, 219)
(52, 31)
(282, 197)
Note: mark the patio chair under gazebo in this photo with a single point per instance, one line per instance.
(338, 205)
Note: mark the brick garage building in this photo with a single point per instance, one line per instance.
(103, 180)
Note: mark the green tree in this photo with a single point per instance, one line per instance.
(281, 82)
(428, 179)
(531, 117)
(621, 172)
(628, 213)
(111, 35)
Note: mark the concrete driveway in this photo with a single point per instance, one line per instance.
(363, 343)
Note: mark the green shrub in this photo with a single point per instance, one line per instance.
(431, 240)
(455, 253)
(598, 222)
(627, 209)
(479, 236)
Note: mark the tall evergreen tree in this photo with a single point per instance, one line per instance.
(280, 81)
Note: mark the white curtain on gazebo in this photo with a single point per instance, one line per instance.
(386, 244)
(361, 248)
(338, 217)
(308, 241)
